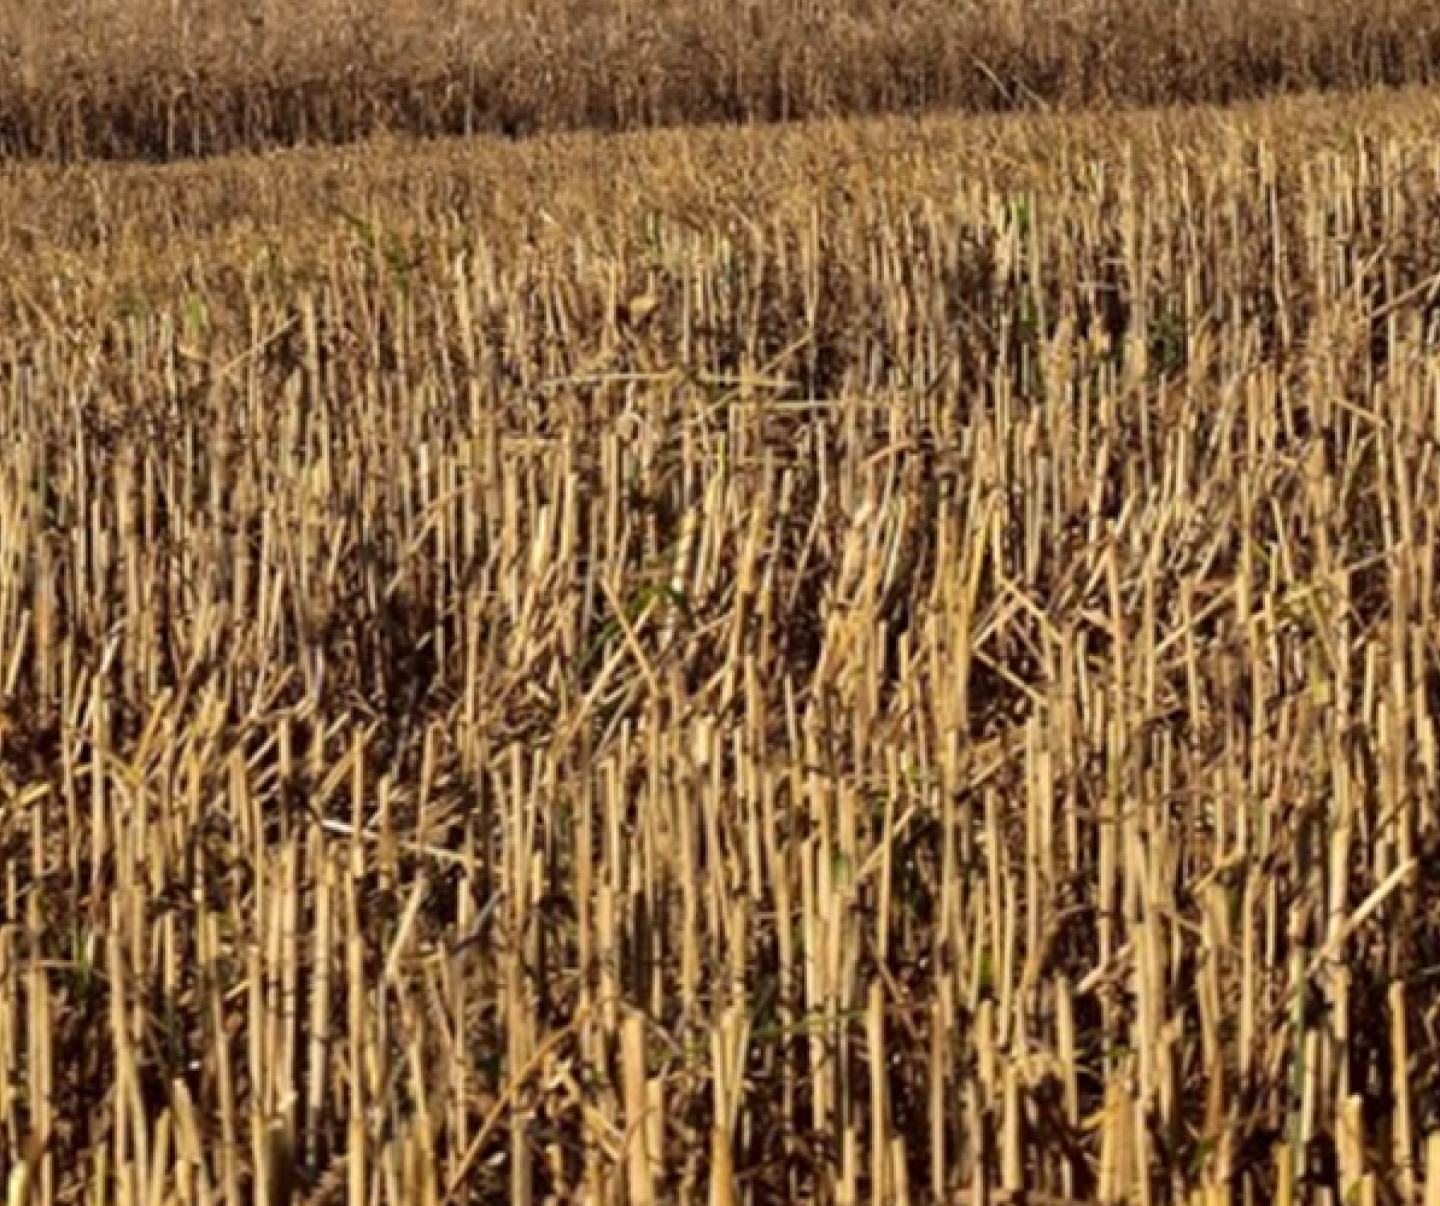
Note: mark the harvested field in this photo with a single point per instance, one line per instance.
(889, 661)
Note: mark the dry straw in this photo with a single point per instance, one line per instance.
(169, 79)
(938, 704)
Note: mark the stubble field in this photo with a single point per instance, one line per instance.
(884, 660)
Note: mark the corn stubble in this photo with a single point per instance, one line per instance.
(923, 690)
